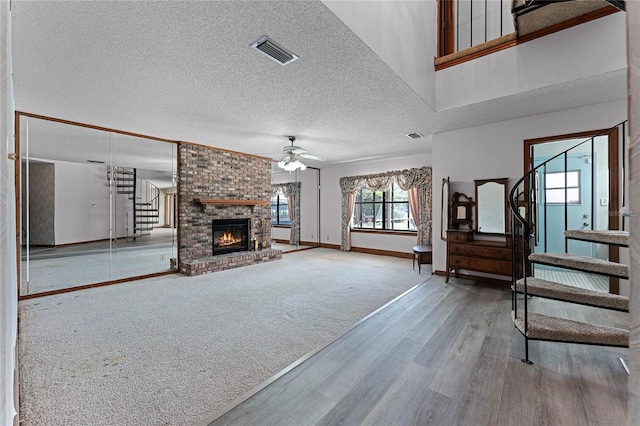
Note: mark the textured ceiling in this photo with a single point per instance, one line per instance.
(184, 71)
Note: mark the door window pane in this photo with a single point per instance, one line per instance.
(555, 187)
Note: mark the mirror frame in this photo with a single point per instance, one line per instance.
(444, 208)
(505, 184)
(457, 202)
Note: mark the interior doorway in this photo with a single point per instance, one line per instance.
(577, 190)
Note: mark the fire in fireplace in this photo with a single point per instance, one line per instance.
(230, 235)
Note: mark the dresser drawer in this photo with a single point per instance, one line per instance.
(480, 265)
(458, 237)
(497, 253)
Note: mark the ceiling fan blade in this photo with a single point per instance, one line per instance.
(293, 149)
(312, 157)
(272, 155)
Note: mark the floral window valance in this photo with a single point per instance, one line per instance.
(406, 179)
(290, 189)
(418, 178)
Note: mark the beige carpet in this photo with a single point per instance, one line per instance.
(558, 291)
(581, 263)
(555, 329)
(174, 350)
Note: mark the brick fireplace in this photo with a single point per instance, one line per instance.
(213, 185)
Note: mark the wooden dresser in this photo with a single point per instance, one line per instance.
(465, 252)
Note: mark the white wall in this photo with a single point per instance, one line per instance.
(401, 33)
(496, 151)
(8, 290)
(309, 209)
(586, 50)
(82, 203)
(625, 201)
(331, 202)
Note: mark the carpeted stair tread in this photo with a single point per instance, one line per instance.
(618, 238)
(581, 263)
(543, 327)
(567, 293)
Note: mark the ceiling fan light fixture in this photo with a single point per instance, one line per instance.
(290, 165)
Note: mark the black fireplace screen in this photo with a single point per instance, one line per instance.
(230, 235)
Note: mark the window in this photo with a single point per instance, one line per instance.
(280, 210)
(554, 186)
(385, 210)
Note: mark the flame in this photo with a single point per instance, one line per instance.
(227, 239)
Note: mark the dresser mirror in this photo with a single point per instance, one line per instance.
(461, 211)
(444, 209)
(491, 206)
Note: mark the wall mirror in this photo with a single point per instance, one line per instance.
(444, 209)
(96, 206)
(491, 206)
(461, 211)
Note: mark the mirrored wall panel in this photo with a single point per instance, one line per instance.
(96, 206)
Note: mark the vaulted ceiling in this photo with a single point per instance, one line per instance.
(184, 70)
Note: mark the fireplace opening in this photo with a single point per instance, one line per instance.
(230, 235)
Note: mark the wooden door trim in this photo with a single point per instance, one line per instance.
(614, 182)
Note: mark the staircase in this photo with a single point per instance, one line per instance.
(144, 197)
(531, 16)
(535, 326)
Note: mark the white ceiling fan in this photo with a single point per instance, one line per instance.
(290, 162)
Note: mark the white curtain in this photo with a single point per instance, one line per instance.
(8, 280)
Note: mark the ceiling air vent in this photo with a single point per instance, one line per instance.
(273, 51)
(414, 135)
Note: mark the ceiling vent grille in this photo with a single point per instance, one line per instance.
(273, 51)
(414, 135)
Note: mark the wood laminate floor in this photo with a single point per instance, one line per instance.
(448, 354)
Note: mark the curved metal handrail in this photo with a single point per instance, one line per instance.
(526, 224)
(154, 202)
(152, 193)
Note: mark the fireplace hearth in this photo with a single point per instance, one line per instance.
(230, 235)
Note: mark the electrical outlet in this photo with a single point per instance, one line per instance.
(162, 258)
(312, 236)
(327, 238)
